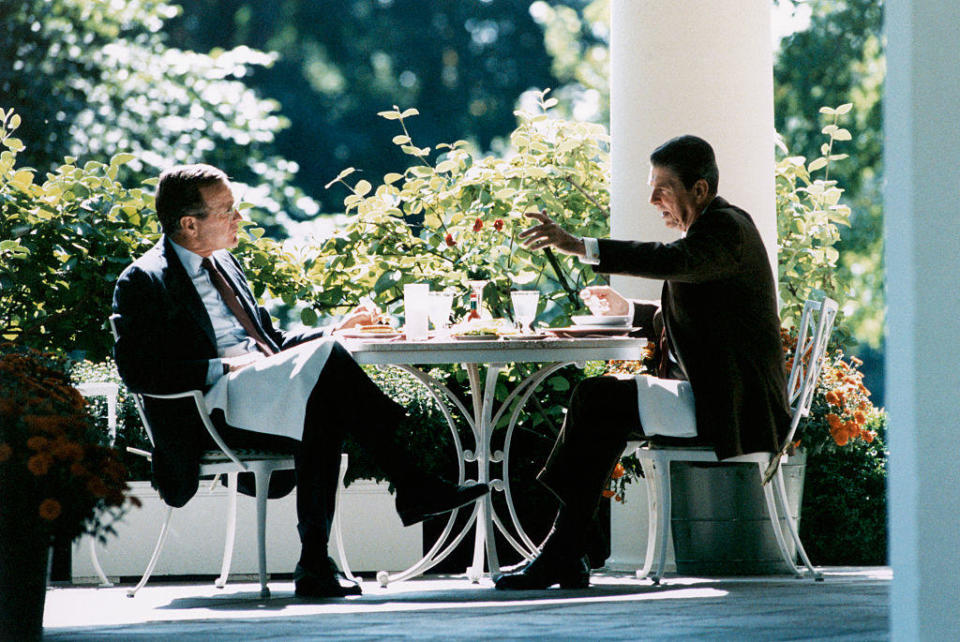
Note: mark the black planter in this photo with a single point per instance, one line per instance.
(23, 581)
(719, 518)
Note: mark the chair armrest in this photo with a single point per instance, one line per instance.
(205, 418)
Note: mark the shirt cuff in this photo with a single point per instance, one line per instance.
(592, 251)
(214, 371)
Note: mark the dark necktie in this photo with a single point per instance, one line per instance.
(663, 367)
(230, 298)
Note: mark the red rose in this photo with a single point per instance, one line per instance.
(449, 240)
(498, 224)
(477, 225)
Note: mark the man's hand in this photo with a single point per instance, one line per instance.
(549, 234)
(605, 301)
(364, 314)
(242, 360)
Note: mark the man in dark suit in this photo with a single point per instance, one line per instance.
(717, 327)
(186, 317)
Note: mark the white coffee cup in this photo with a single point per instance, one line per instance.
(416, 307)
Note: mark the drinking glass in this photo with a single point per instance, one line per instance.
(415, 305)
(440, 306)
(525, 304)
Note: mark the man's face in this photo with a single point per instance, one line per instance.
(219, 228)
(678, 206)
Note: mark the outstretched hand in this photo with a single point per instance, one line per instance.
(549, 234)
(365, 314)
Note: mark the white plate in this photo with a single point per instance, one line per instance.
(601, 320)
(525, 337)
(369, 336)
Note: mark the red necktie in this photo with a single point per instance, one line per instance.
(230, 298)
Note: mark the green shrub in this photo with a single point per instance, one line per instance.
(64, 239)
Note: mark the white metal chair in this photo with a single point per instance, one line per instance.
(656, 460)
(232, 462)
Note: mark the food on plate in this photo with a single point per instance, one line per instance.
(376, 329)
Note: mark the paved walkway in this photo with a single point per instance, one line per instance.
(851, 604)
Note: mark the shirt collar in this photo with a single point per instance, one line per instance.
(191, 260)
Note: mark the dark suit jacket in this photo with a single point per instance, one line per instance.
(164, 344)
(719, 307)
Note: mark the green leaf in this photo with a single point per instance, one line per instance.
(407, 113)
(14, 121)
(362, 188)
(844, 108)
(829, 111)
(401, 140)
(121, 159)
(818, 163)
(842, 134)
(389, 115)
(392, 177)
(308, 316)
(558, 383)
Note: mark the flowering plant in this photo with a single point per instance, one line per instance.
(841, 410)
(56, 471)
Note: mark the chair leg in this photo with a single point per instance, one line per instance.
(262, 481)
(774, 515)
(104, 582)
(662, 474)
(164, 529)
(337, 524)
(791, 525)
(653, 508)
(231, 534)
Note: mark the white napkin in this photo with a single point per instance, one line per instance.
(270, 395)
(666, 407)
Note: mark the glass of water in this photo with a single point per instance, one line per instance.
(525, 304)
(440, 306)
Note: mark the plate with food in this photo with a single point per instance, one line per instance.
(373, 331)
(581, 331)
(537, 336)
(601, 320)
(476, 334)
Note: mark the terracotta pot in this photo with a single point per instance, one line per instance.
(23, 580)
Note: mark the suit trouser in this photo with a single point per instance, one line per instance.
(602, 416)
(343, 402)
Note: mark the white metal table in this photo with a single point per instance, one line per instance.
(554, 353)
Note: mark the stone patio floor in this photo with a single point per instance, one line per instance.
(850, 604)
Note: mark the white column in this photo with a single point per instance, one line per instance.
(922, 221)
(702, 67)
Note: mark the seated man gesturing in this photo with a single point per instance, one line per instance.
(187, 318)
(721, 378)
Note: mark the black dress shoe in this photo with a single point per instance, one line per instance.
(322, 583)
(544, 571)
(415, 504)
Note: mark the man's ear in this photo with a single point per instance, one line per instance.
(188, 225)
(701, 190)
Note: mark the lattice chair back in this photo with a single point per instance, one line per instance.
(816, 324)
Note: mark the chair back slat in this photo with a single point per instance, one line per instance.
(808, 358)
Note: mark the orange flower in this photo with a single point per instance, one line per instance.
(840, 436)
(39, 464)
(78, 470)
(618, 471)
(832, 398)
(859, 417)
(97, 488)
(608, 493)
(49, 509)
(37, 443)
(6, 452)
(868, 436)
(8, 407)
(833, 420)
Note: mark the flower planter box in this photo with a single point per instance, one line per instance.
(373, 535)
